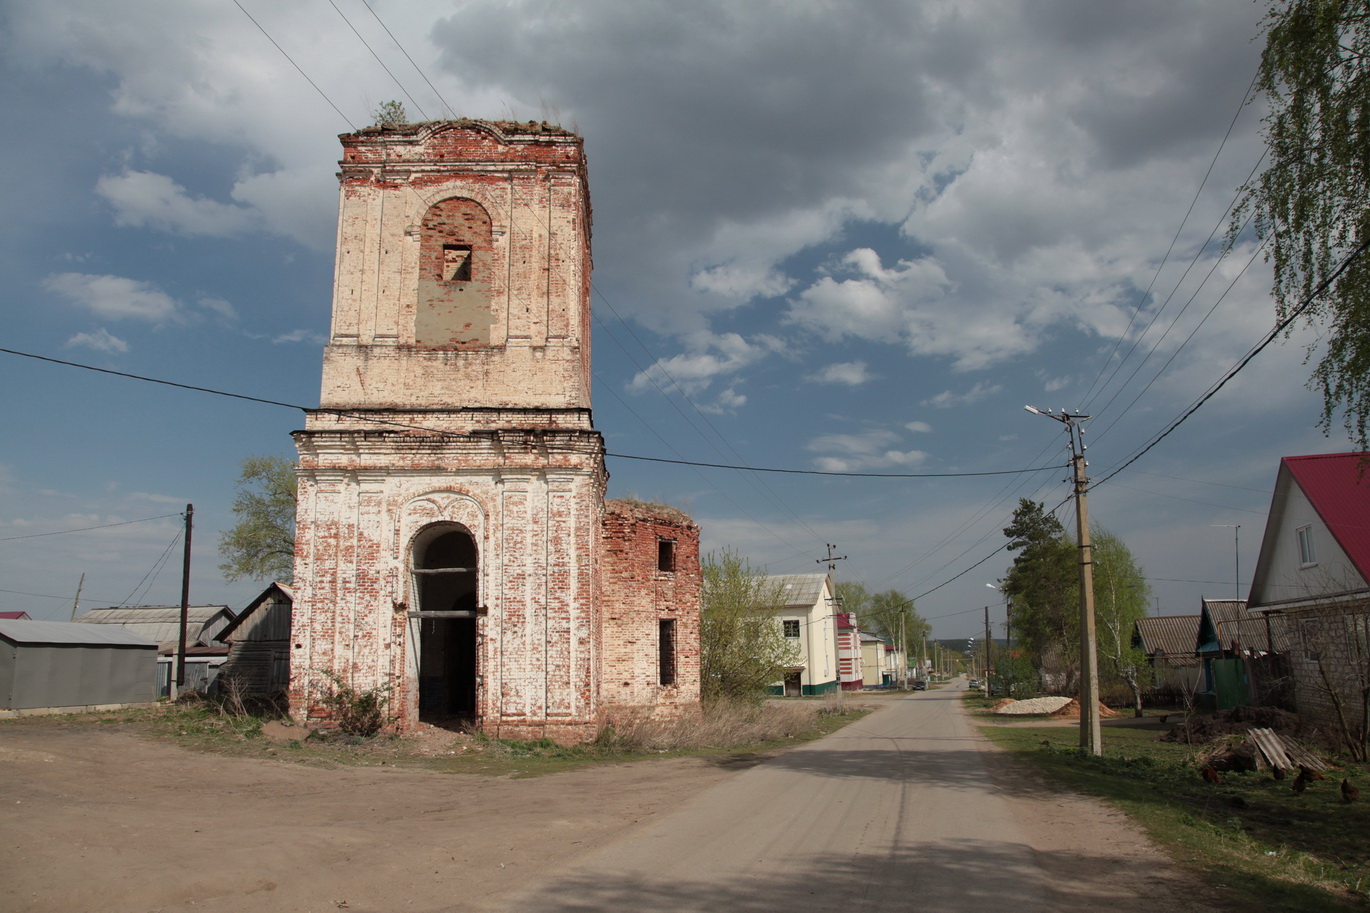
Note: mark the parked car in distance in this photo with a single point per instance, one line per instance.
(920, 685)
(975, 683)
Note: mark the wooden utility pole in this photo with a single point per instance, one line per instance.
(185, 609)
(76, 603)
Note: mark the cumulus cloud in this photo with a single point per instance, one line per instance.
(867, 450)
(141, 198)
(849, 373)
(115, 297)
(918, 427)
(100, 341)
(217, 306)
(710, 358)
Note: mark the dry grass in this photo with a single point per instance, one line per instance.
(730, 725)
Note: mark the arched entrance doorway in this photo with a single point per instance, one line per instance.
(444, 566)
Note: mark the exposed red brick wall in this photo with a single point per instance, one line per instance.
(636, 595)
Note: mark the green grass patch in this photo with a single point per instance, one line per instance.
(1274, 850)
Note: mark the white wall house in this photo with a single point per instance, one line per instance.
(805, 612)
(1314, 570)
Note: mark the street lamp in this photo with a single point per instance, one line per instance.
(1091, 739)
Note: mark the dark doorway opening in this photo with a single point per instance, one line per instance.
(444, 568)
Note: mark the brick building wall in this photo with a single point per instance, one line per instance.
(450, 533)
(650, 603)
(1332, 655)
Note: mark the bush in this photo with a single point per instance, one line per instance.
(358, 713)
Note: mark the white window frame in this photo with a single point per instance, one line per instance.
(788, 624)
(1308, 554)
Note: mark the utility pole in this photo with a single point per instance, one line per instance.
(989, 653)
(1091, 738)
(831, 560)
(76, 603)
(185, 609)
(1237, 555)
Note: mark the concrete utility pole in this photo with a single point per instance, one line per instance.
(989, 652)
(1091, 739)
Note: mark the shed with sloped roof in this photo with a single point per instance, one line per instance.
(47, 665)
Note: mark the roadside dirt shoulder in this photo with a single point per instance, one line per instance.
(1091, 849)
(101, 819)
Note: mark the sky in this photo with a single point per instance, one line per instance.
(828, 238)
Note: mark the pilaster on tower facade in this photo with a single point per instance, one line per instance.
(451, 485)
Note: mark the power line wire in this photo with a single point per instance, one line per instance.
(1232, 372)
(86, 529)
(395, 78)
(364, 417)
(345, 118)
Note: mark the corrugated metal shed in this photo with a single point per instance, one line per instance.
(60, 633)
(163, 623)
(1215, 614)
(1170, 637)
(51, 664)
(1264, 634)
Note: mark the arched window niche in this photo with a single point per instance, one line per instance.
(455, 266)
(444, 568)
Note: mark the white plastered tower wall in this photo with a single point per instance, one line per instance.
(456, 399)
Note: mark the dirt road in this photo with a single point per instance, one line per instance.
(908, 803)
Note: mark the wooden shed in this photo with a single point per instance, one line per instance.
(258, 663)
(55, 665)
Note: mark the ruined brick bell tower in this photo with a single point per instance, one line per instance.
(451, 485)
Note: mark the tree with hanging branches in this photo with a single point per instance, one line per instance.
(1311, 204)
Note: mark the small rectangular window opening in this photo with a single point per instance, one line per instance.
(666, 651)
(1307, 554)
(792, 627)
(456, 262)
(665, 554)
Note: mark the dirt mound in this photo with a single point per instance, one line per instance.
(1071, 711)
(1001, 703)
(1237, 721)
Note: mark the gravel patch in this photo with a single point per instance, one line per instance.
(1034, 705)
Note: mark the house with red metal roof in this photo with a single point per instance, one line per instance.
(1314, 570)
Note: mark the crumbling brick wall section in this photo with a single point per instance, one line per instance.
(1331, 664)
(650, 583)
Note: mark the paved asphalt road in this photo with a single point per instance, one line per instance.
(895, 812)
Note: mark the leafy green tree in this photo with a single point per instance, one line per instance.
(391, 114)
(742, 646)
(261, 545)
(1311, 204)
(1043, 587)
(1121, 595)
(892, 615)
